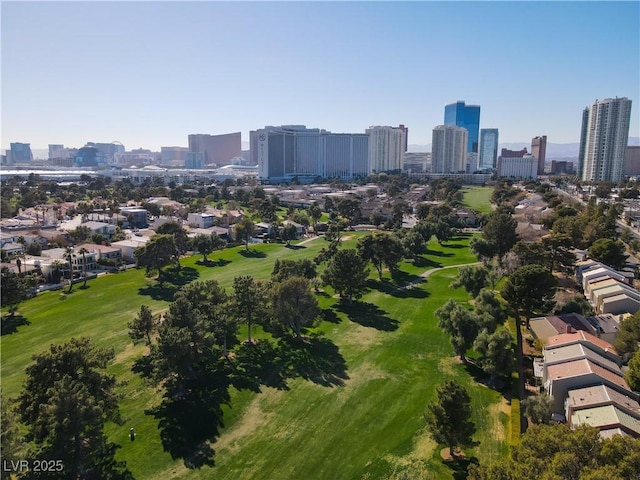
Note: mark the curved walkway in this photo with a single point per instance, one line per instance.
(426, 274)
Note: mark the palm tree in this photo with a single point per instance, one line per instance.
(83, 251)
(68, 254)
(56, 265)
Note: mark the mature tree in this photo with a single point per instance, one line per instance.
(15, 288)
(143, 326)
(460, 324)
(558, 452)
(632, 376)
(412, 242)
(628, 338)
(497, 353)
(529, 289)
(610, 252)
(489, 311)
(539, 408)
(289, 232)
(80, 234)
(483, 249)
(249, 302)
(472, 277)
(448, 417)
(529, 253)
(203, 243)
(559, 254)
(315, 213)
(381, 249)
(293, 304)
(244, 231)
(11, 441)
(66, 401)
(500, 231)
(284, 269)
(347, 274)
(425, 229)
(443, 229)
(180, 237)
(398, 211)
(156, 254)
(576, 304)
(349, 208)
(192, 336)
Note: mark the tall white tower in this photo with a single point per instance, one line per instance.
(386, 148)
(449, 149)
(603, 140)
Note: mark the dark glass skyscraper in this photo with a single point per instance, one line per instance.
(466, 116)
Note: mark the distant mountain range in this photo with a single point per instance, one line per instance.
(554, 150)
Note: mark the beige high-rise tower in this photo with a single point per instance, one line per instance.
(539, 150)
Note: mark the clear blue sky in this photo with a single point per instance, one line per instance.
(149, 73)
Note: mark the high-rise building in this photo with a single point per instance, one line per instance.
(539, 150)
(288, 151)
(603, 140)
(448, 149)
(465, 116)
(216, 149)
(386, 147)
(525, 166)
(632, 160)
(505, 152)
(406, 136)
(488, 149)
(173, 155)
(20, 153)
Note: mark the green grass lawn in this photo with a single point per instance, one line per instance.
(366, 423)
(478, 198)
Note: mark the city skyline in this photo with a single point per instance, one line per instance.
(148, 74)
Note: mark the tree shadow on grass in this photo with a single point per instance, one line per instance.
(316, 359)
(407, 290)
(213, 263)
(172, 282)
(252, 254)
(295, 247)
(329, 315)
(189, 422)
(438, 253)
(498, 384)
(143, 366)
(426, 262)
(10, 323)
(183, 276)
(257, 364)
(459, 466)
(369, 315)
(453, 245)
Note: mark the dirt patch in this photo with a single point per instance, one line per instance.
(361, 337)
(415, 464)
(252, 419)
(359, 377)
(497, 427)
(446, 455)
(445, 365)
(130, 351)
